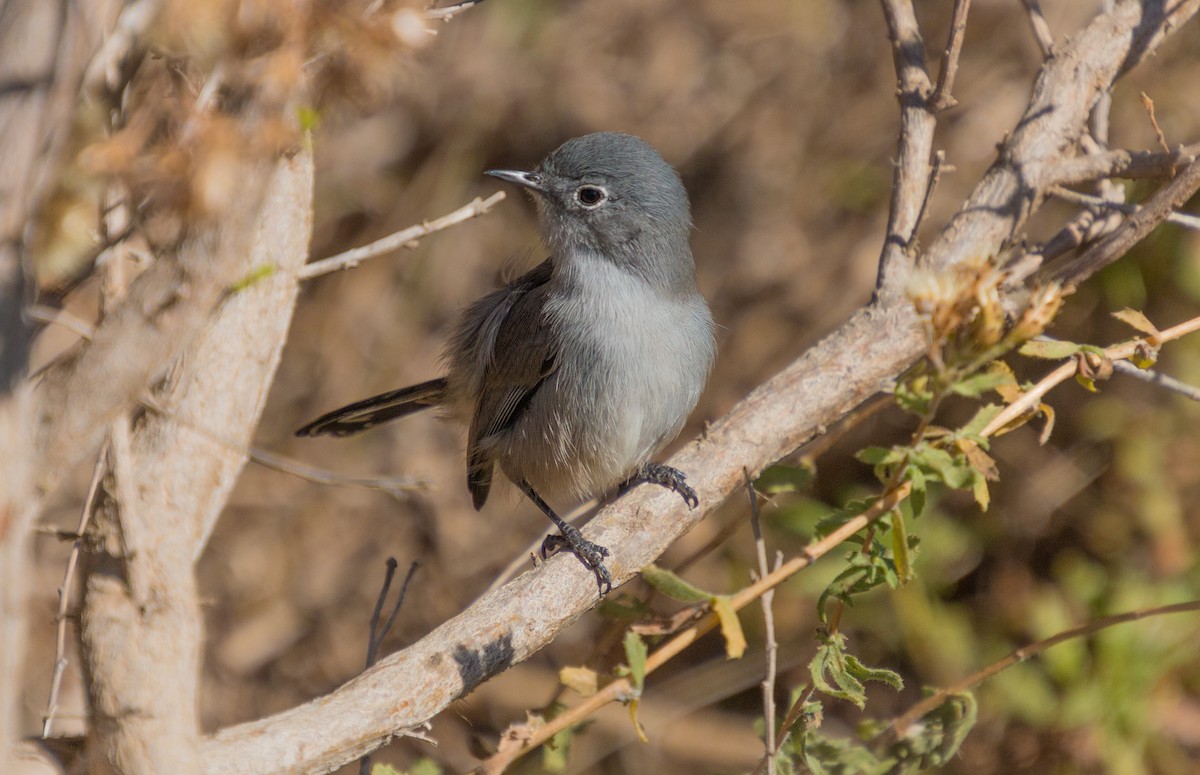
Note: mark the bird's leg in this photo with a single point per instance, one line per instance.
(664, 476)
(590, 554)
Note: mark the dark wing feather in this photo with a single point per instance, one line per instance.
(510, 382)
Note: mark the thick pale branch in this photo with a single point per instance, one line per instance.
(141, 626)
(911, 177)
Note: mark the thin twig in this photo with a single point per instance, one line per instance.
(403, 238)
(672, 648)
(64, 593)
(446, 13)
(935, 174)
(1041, 30)
(1179, 219)
(377, 634)
(1124, 164)
(396, 486)
(1135, 228)
(60, 317)
(942, 98)
(1030, 399)
(1164, 381)
(899, 727)
(771, 647)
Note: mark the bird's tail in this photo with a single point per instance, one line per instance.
(376, 410)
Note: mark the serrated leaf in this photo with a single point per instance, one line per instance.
(982, 417)
(978, 384)
(731, 627)
(956, 474)
(914, 395)
(873, 674)
(1138, 321)
(1049, 350)
(780, 479)
(828, 669)
(673, 586)
(635, 658)
(582, 680)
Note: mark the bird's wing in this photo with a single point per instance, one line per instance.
(510, 382)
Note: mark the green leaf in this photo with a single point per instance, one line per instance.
(874, 674)
(557, 750)
(829, 674)
(731, 627)
(940, 464)
(422, 767)
(900, 547)
(917, 497)
(913, 395)
(877, 456)
(1050, 350)
(673, 586)
(978, 384)
(384, 769)
(780, 479)
(982, 417)
(635, 656)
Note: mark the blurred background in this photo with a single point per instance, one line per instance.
(781, 117)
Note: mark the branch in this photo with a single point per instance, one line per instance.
(406, 238)
(911, 178)
(141, 626)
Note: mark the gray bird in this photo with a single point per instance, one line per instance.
(573, 376)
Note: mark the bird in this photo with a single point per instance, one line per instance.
(573, 376)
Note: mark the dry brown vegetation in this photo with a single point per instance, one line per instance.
(781, 116)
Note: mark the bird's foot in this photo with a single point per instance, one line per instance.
(663, 476)
(590, 554)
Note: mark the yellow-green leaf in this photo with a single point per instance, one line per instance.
(1050, 350)
(900, 547)
(731, 627)
(637, 725)
(581, 679)
(635, 654)
(673, 586)
(1139, 321)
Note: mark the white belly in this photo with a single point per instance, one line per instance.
(631, 364)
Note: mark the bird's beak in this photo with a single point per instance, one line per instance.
(530, 180)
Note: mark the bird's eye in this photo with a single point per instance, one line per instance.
(590, 196)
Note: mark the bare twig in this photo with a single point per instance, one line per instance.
(1041, 30)
(1158, 133)
(396, 486)
(404, 238)
(942, 98)
(1029, 400)
(899, 727)
(448, 12)
(64, 595)
(1165, 381)
(1152, 212)
(376, 634)
(1124, 164)
(1179, 219)
(770, 644)
(60, 317)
